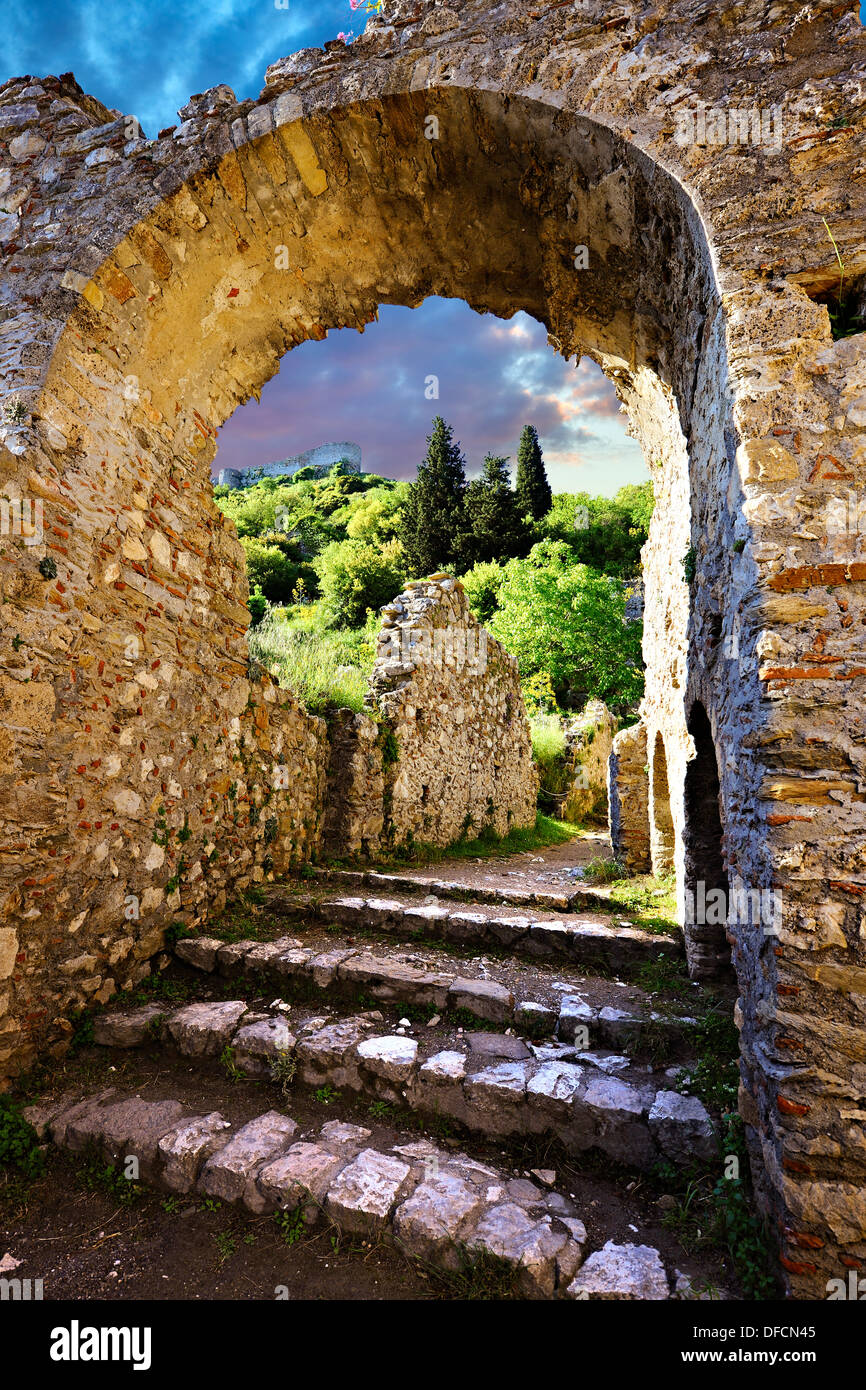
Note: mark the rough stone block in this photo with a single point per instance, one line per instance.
(484, 998)
(187, 1146)
(621, 1272)
(394, 1059)
(435, 1217)
(127, 1029)
(203, 1030)
(257, 1046)
(299, 1177)
(231, 1172)
(682, 1128)
(362, 1197)
(199, 951)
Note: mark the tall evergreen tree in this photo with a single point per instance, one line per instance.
(495, 527)
(433, 515)
(534, 494)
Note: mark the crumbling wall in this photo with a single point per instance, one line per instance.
(628, 799)
(461, 762)
(353, 816)
(588, 746)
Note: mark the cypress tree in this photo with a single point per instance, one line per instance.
(495, 528)
(533, 490)
(433, 515)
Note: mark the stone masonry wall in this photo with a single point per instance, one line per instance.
(628, 799)
(451, 698)
(588, 746)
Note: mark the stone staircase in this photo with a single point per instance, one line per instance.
(477, 1017)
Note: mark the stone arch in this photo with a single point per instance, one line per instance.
(254, 250)
(701, 305)
(662, 837)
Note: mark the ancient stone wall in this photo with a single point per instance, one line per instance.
(519, 158)
(353, 815)
(461, 761)
(628, 799)
(588, 746)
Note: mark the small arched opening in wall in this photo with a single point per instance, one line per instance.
(662, 836)
(706, 879)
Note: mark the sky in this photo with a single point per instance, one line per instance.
(494, 376)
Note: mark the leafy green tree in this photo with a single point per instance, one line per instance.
(606, 533)
(494, 527)
(533, 490)
(258, 606)
(433, 515)
(482, 584)
(354, 577)
(566, 619)
(272, 566)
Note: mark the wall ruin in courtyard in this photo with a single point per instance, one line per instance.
(143, 294)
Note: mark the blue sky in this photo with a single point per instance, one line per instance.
(494, 376)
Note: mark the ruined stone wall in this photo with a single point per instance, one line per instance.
(450, 695)
(354, 815)
(588, 746)
(322, 457)
(148, 286)
(628, 799)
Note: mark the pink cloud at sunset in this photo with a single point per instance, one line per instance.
(493, 377)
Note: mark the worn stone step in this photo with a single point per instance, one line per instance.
(343, 971)
(575, 900)
(494, 1084)
(580, 942)
(433, 1205)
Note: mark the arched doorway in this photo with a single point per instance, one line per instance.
(706, 879)
(662, 842)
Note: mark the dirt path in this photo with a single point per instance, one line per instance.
(542, 869)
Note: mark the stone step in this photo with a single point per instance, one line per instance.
(438, 1207)
(496, 1085)
(342, 971)
(569, 938)
(574, 900)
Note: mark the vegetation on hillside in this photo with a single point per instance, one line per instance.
(547, 574)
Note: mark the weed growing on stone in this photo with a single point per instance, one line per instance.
(714, 1078)
(19, 1142)
(326, 1095)
(743, 1231)
(98, 1176)
(604, 871)
(283, 1071)
(291, 1225)
(230, 1066)
(480, 1277)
